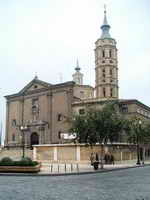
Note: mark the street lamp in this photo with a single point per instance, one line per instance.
(137, 137)
(23, 129)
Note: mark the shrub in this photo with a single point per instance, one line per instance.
(6, 160)
(23, 162)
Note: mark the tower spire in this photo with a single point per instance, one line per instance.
(105, 27)
(78, 76)
(106, 69)
(77, 66)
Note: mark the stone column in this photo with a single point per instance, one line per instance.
(121, 156)
(34, 153)
(78, 153)
(143, 155)
(55, 154)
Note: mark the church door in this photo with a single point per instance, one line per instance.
(34, 138)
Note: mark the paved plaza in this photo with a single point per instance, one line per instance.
(128, 184)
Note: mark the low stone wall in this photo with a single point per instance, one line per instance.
(15, 153)
(81, 152)
(21, 169)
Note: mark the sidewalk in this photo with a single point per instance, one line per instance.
(73, 168)
(49, 169)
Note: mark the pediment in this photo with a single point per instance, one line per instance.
(34, 85)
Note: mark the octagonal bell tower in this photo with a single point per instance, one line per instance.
(106, 70)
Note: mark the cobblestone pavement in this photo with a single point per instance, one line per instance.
(129, 184)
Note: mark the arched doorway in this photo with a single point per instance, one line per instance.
(34, 138)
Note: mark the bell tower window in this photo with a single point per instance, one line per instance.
(103, 53)
(111, 92)
(103, 72)
(110, 54)
(111, 72)
(104, 92)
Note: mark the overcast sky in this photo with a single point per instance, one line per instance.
(47, 36)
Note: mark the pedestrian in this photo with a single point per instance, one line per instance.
(107, 158)
(92, 158)
(97, 157)
(112, 159)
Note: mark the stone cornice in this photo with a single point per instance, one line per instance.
(24, 93)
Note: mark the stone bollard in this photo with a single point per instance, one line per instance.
(51, 167)
(65, 167)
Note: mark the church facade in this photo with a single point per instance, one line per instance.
(40, 112)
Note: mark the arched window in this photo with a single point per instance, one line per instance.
(103, 53)
(104, 92)
(110, 53)
(103, 71)
(110, 71)
(13, 137)
(59, 117)
(111, 92)
(59, 134)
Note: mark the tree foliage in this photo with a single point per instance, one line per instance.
(138, 131)
(98, 125)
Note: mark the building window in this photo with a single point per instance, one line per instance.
(111, 92)
(124, 108)
(59, 135)
(142, 112)
(111, 61)
(13, 137)
(111, 72)
(138, 110)
(14, 123)
(82, 94)
(146, 114)
(103, 61)
(35, 106)
(103, 53)
(35, 101)
(59, 117)
(103, 80)
(104, 92)
(81, 111)
(35, 86)
(110, 53)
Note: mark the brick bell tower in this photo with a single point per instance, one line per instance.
(106, 70)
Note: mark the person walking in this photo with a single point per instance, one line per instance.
(112, 160)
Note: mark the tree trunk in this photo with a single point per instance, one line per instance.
(102, 155)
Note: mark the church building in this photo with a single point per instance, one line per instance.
(40, 112)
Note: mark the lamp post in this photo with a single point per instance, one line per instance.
(23, 129)
(137, 137)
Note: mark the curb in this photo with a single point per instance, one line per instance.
(73, 173)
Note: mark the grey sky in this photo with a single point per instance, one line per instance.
(47, 37)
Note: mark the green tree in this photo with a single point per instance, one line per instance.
(138, 132)
(99, 126)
